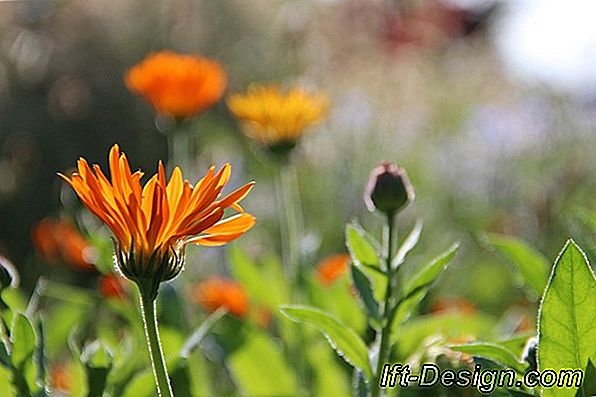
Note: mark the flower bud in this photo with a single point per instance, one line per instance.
(8, 274)
(388, 189)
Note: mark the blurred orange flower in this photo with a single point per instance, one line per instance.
(60, 378)
(445, 304)
(219, 292)
(111, 286)
(153, 223)
(58, 240)
(332, 267)
(272, 116)
(177, 85)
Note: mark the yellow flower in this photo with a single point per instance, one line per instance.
(153, 223)
(177, 85)
(272, 116)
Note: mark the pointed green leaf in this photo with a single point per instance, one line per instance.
(588, 387)
(365, 292)
(362, 251)
(493, 352)
(98, 363)
(259, 368)
(23, 340)
(408, 244)
(264, 283)
(427, 275)
(365, 257)
(517, 393)
(413, 333)
(342, 338)
(567, 319)
(531, 264)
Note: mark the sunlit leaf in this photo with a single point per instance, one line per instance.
(259, 368)
(365, 293)
(361, 250)
(588, 387)
(366, 258)
(97, 360)
(263, 283)
(23, 340)
(567, 319)
(531, 264)
(343, 339)
(429, 273)
(493, 352)
(409, 243)
(442, 327)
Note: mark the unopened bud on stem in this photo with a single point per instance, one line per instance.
(388, 189)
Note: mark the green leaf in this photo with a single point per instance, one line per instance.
(440, 327)
(342, 338)
(23, 340)
(265, 284)
(259, 368)
(567, 319)
(531, 264)
(427, 275)
(361, 250)
(405, 309)
(4, 357)
(97, 360)
(328, 373)
(365, 258)
(365, 292)
(493, 352)
(407, 246)
(517, 393)
(588, 387)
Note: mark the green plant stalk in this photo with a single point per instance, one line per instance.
(158, 363)
(388, 311)
(291, 229)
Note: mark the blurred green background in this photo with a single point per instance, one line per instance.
(489, 105)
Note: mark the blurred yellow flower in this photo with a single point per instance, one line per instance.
(177, 85)
(153, 223)
(273, 116)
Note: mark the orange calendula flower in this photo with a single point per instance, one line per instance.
(273, 116)
(111, 286)
(58, 240)
(153, 223)
(177, 85)
(447, 304)
(60, 378)
(332, 267)
(217, 292)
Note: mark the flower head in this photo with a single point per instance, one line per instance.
(276, 117)
(216, 292)
(332, 267)
(177, 85)
(153, 223)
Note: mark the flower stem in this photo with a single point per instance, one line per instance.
(158, 363)
(291, 217)
(388, 310)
